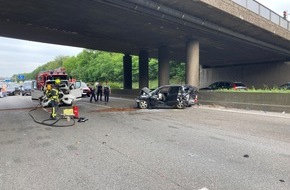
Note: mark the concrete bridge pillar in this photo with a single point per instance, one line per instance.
(163, 66)
(192, 65)
(143, 69)
(127, 67)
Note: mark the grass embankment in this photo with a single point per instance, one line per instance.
(135, 85)
(253, 90)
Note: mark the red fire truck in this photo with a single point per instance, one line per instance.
(51, 75)
(68, 92)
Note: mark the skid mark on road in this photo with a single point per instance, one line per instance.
(115, 110)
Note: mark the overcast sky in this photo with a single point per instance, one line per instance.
(18, 56)
(277, 6)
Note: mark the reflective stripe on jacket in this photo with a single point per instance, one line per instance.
(52, 94)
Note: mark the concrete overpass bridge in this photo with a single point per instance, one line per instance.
(218, 40)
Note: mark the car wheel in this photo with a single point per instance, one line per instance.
(180, 104)
(143, 104)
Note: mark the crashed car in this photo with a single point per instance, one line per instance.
(168, 96)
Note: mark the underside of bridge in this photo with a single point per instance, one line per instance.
(128, 26)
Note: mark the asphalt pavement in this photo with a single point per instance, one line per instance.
(121, 147)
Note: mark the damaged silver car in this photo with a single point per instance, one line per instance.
(168, 96)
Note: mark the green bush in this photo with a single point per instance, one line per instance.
(253, 90)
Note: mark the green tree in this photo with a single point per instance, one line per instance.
(177, 71)
(94, 65)
(153, 69)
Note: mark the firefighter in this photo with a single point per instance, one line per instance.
(52, 95)
(57, 84)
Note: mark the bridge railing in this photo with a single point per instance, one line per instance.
(265, 12)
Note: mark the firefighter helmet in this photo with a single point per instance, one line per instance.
(57, 81)
(48, 87)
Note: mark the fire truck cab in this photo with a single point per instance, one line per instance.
(67, 95)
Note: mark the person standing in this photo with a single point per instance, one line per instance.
(107, 92)
(99, 91)
(4, 90)
(93, 92)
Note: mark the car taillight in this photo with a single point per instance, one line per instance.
(195, 99)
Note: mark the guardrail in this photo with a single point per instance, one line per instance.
(265, 12)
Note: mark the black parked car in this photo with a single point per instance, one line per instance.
(168, 96)
(225, 85)
(285, 86)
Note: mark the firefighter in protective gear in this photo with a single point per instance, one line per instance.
(57, 81)
(53, 95)
(58, 84)
(48, 89)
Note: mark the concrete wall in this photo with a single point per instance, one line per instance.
(125, 93)
(277, 102)
(256, 76)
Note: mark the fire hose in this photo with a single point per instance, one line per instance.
(48, 122)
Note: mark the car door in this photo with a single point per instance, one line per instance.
(77, 91)
(171, 98)
(153, 99)
(221, 85)
(35, 93)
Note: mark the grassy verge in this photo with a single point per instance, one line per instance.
(253, 90)
(135, 85)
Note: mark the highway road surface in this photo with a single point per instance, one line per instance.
(120, 147)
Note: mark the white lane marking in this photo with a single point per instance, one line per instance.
(204, 188)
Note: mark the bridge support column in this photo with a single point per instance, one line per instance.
(127, 67)
(143, 69)
(163, 66)
(192, 65)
